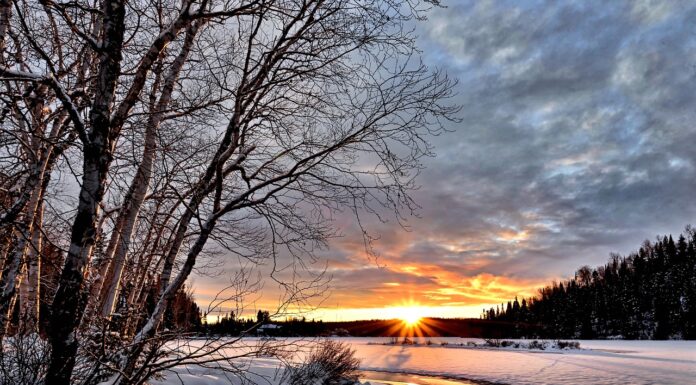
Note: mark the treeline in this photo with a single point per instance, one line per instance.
(650, 294)
(229, 324)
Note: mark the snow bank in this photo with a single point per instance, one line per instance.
(538, 344)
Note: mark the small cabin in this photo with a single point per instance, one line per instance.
(268, 330)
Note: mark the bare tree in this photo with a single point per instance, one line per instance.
(190, 127)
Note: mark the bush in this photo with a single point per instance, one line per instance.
(568, 344)
(539, 345)
(23, 360)
(328, 363)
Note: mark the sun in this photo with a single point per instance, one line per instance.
(410, 316)
(411, 320)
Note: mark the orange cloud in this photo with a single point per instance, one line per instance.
(445, 276)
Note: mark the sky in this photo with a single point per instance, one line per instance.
(577, 139)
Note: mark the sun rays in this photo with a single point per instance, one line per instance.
(410, 316)
(410, 320)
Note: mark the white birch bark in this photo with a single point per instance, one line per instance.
(30, 289)
(139, 185)
(24, 257)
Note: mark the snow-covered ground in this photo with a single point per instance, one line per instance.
(598, 362)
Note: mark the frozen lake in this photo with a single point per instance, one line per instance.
(598, 362)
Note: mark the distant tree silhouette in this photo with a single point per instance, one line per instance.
(263, 317)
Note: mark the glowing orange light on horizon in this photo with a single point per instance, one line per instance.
(409, 313)
(412, 321)
(410, 316)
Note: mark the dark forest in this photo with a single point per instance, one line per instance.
(649, 294)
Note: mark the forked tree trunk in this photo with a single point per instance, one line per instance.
(68, 304)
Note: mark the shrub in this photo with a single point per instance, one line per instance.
(568, 344)
(496, 343)
(23, 360)
(539, 345)
(328, 363)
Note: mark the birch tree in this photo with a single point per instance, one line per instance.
(196, 130)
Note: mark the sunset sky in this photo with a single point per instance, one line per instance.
(576, 140)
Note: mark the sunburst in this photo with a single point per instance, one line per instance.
(410, 316)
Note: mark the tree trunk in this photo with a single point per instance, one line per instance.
(68, 304)
(29, 311)
(26, 234)
(134, 198)
(139, 185)
(165, 298)
(11, 277)
(102, 268)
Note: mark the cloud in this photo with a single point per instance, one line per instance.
(577, 140)
(577, 129)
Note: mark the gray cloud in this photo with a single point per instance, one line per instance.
(577, 123)
(577, 127)
(577, 140)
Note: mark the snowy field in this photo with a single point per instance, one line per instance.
(598, 362)
(604, 362)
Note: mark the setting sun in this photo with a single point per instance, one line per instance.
(410, 316)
